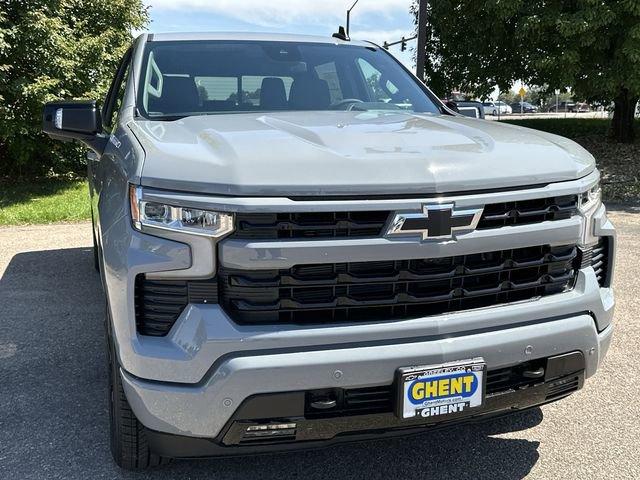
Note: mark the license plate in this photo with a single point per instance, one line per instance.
(440, 390)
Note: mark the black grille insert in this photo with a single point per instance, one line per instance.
(525, 212)
(353, 401)
(380, 399)
(600, 261)
(598, 257)
(310, 225)
(270, 226)
(401, 289)
(159, 303)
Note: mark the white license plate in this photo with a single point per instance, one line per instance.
(441, 390)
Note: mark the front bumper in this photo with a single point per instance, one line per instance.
(203, 410)
(564, 374)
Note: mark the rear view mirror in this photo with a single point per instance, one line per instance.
(74, 120)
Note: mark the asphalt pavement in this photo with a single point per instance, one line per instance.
(53, 391)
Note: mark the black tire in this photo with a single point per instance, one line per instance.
(129, 446)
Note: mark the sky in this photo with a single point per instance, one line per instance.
(374, 20)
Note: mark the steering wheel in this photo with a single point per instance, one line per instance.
(347, 102)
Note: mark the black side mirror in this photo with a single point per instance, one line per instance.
(451, 105)
(74, 120)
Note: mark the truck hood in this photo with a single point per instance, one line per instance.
(350, 153)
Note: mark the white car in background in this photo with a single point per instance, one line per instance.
(496, 108)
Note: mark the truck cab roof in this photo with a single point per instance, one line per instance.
(250, 36)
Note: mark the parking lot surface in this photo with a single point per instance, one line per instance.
(53, 391)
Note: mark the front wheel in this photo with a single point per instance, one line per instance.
(129, 446)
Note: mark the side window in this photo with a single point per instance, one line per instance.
(114, 99)
(329, 73)
(119, 98)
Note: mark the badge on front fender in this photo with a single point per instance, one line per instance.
(441, 390)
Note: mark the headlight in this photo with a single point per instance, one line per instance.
(179, 219)
(589, 203)
(591, 199)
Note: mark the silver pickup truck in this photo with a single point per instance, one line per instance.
(301, 245)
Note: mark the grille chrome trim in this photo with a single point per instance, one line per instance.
(281, 254)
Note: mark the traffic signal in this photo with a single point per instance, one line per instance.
(403, 45)
(385, 45)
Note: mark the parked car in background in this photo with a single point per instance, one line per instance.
(569, 107)
(496, 108)
(582, 107)
(471, 109)
(523, 107)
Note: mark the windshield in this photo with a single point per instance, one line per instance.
(209, 77)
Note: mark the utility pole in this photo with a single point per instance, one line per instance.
(349, 15)
(421, 58)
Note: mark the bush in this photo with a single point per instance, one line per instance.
(49, 51)
(567, 127)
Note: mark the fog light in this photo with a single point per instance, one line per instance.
(270, 430)
(275, 426)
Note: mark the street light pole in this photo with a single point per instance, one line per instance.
(349, 15)
(421, 58)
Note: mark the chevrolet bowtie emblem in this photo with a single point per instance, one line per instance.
(436, 222)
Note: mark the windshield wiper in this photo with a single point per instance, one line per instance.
(168, 118)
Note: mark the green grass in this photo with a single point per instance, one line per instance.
(43, 201)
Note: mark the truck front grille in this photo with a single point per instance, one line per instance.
(271, 226)
(401, 289)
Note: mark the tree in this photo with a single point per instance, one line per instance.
(53, 49)
(590, 46)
